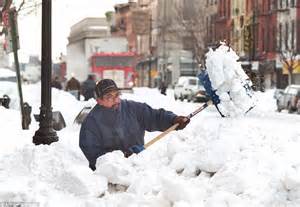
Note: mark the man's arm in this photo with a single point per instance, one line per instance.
(154, 119)
(89, 143)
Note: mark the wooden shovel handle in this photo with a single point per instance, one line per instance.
(161, 135)
(173, 127)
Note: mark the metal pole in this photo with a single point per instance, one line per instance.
(12, 15)
(46, 134)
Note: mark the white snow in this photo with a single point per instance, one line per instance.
(231, 83)
(214, 162)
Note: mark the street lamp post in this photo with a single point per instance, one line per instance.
(46, 134)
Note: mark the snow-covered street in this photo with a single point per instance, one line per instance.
(253, 160)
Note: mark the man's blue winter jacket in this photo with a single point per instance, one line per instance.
(105, 130)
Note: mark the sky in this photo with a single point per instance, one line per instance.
(244, 160)
(65, 13)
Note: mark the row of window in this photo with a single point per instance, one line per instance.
(259, 6)
(285, 37)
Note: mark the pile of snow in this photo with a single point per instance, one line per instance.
(231, 83)
(242, 161)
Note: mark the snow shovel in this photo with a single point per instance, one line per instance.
(176, 125)
(204, 79)
(82, 114)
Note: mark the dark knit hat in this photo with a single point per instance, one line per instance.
(105, 86)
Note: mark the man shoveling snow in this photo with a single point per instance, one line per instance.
(226, 82)
(115, 124)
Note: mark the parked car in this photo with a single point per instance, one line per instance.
(189, 87)
(288, 98)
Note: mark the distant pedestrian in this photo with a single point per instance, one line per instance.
(163, 88)
(56, 83)
(73, 87)
(88, 88)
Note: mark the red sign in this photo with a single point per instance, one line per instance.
(5, 18)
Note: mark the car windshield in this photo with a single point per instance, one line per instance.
(293, 91)
(193, 82)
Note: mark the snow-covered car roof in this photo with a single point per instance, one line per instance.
(294, 86)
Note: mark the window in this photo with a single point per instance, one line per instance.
(193, 82)
(274, 38)
(298, 35)
(286, 36)
(292, 3)
(293, 34)
(228, 8)
(113, 61)
(264, 39)
(188, 10)
(269, 6)
(280, 37)
(268, 38)
(207, 26)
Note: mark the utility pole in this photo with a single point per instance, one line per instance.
(12, 15)
(46, 134)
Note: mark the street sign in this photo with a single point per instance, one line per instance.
(5, 18)
(12, 24)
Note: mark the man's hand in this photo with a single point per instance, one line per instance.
(134, 149)
(182, 121)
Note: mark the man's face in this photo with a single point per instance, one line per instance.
(110, 100)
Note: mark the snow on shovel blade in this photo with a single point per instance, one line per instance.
(226, 82)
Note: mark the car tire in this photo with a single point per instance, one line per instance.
(181, 98)
(278, 107)
(290, 110)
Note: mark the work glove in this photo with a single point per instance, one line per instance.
(134, 149)
(182, 121)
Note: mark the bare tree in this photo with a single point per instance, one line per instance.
(27, 7)
(191, 20)
(290, 59)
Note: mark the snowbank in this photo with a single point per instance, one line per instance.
(214, 162)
